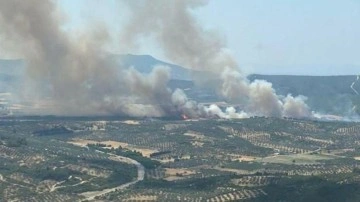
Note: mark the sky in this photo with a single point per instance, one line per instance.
(309, 37)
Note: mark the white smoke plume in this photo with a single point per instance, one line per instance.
(185, 106)
(293, 107)
(229, 113)
(185, 42)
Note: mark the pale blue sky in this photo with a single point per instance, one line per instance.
(266, 36)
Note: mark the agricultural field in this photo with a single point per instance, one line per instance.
(215, 160)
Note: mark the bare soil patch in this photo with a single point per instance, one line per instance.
(115, 144)
(239, 157)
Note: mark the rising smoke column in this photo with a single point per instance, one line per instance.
(185, 42)
(73, 71)
(68, 68)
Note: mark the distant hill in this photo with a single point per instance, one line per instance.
(142, 63)
(145, 63)
(325, 93)
(305, 69)
(309, 85)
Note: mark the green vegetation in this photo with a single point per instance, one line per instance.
(137, 156)
(57, 130)
(207, 183)
(255, 159)
(12, 141)
(311, 189)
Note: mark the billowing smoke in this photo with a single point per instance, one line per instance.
(293, 107)
(55, 62)
(186, 43)
(150, 90)
(80, 79)
(73, 71)
(188, 107)
(192, 109)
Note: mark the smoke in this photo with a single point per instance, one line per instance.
(263, 100)
(55, 62)
(185, 106)
(74, 71)
(151, 90)
(185, 42)
(293, 107)
(81, 80)
(229, 113)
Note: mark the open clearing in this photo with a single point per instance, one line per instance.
(115, 144)
(237, 157)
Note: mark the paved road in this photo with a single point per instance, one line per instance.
(140, 176)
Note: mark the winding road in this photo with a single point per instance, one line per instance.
(140, 176)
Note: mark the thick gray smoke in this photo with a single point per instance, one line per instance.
(186, 43)
(73, 71)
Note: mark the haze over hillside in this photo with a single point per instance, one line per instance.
(324, 93)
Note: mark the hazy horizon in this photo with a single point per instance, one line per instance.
(270, 69)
